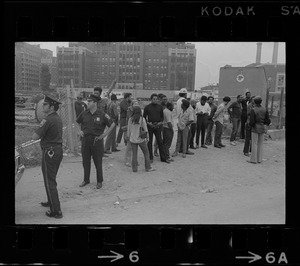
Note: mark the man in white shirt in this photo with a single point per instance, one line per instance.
(182, 95)
(202, 112)
(218, 118)
(168, 131)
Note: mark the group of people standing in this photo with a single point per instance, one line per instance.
(99, 118)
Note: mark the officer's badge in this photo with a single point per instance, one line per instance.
(42, 122)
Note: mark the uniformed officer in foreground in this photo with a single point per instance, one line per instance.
(50, 133)
(93, 122)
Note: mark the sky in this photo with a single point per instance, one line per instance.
(213, 55)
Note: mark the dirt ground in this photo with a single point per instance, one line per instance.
(214, 186)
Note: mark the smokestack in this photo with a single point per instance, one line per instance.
(275, 53)
(258, 52)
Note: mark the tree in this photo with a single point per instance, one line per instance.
(45, 78)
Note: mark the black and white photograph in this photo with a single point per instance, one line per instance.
(150, 133)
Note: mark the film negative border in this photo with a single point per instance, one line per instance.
(151, 245)
(206, 21)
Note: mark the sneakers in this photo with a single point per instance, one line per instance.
(99, 185)
(197, 146)
(183, 156)
(246, 154)
(84, 184)
(203, 146)
(128, 164)
(57, 215)
(150, 170)
(108, 152)
(232, 143)
(156, 154)
(175, 154)
(190, 153)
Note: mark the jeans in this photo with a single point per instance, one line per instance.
(256, 147)
(91, 148)
(235, 126)
(110, 142)
(128, 152)
(145, 151)
(182, 139)
(201, 127)
(210, 125)
(167, 140)
(218, 133)
(193, 132)
(157, 132)
(50, 166)
(120, 133)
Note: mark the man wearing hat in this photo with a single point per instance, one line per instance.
(50, 133)
(79, 104)
(93, 122)
(182, 95)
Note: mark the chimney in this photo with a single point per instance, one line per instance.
(258, 52)
(275, 53)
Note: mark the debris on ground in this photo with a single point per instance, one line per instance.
(209, 190)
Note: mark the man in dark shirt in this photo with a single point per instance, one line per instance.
(110, 143)
(154, 115)
(210, 122)
(102, 103)
(244, 116)
(80, 106)
(124, 104)
(235, 112)
(93, 122)
(50, 133)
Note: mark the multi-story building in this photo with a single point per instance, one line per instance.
(182, 67)
(27, 66)
(156, 66)
(76, 63)
(48, 59)
(139, 65)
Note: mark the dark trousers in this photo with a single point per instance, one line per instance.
(145, 151)
(235, 127)
(218, 133)
(167, 140)
(210, 125)
(247, 145)
(157, 132)
(91, 148)
(50, 168)
(120, 133)
(182, 140)
(193, 132)
(201, 126)
(243, 125)
(110, 142)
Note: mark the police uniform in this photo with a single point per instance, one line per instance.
(50, 132)
(93, 126)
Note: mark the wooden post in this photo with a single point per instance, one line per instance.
(280, 109)
(272, 102)
(69, 121)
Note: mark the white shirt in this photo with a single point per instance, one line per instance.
(178, 106)
(205, 109)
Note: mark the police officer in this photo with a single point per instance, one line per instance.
(93, 122)
(50, 133)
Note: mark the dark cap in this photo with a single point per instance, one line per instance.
(51, 100)
(203, 98)
(93, 97)
(227, 99)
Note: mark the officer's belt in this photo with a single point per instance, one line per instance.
(51, 147)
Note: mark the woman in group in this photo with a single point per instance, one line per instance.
(128, 151)
(136, 124)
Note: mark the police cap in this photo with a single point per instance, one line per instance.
(51, 100)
